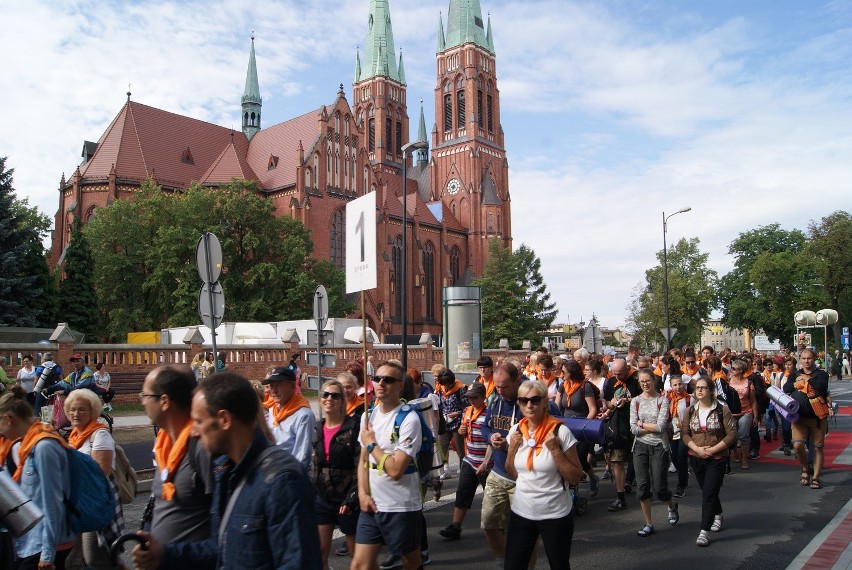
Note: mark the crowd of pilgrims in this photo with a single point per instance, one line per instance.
(666, 416)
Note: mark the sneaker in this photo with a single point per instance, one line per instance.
(424, 559)
(107, 408)
(788, 451)
(717, 523)
(753, 455)
(647, 530)
(607, 476)
(617, 505)
(674, 516)
(451, 532)
(392, 563)
(703, 539)
(342, 551)
(445, 474)
(593, 485)
(679, 493)
(672, 468)
(628, 487)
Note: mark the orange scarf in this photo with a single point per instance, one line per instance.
(767, 377)
(720, 375)
(692, 371)
(295, 403)
(572, 387)
(489, 386)
(658, 371)
(675, 399)
(541, 432)
(168, 455)
(77, 438)
(352, 407)
(5, 447)
(267, 401)
(470, 415)
(549, 382)
(37, 432)
(449, 392)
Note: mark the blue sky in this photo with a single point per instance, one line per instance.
(614, 111)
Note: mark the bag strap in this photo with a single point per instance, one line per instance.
(233, 500)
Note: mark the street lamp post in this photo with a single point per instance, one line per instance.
(416, 145)
(666, 276)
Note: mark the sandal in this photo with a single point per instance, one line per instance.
(816, 483)
(805, 478)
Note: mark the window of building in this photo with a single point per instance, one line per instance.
(479, 108)
(338, 238)
(389, 136)
(399, 137)
(448, 112)
(429, 275)
(461, 109)
(396, 260)
(455, 262)
(372, 135)
(490, 115)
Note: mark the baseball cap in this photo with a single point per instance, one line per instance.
(280, 374)
(75, 357)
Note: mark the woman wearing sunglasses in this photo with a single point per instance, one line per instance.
(542, 459)
(336, 451)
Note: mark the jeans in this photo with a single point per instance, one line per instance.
(652, 468)
(556, 535)
(444, 440)
(709, 473)
(786, 431)
(680, 458)
(771, 418)
(744, 429)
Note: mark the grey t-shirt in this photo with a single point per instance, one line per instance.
(187, 517)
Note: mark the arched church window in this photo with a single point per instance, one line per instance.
(429, 275)
(461, 109)
(396, 260)
(338, 238)
(455, 264)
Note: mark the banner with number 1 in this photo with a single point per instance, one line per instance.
(361, 267)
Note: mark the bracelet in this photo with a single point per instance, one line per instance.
(381, 466)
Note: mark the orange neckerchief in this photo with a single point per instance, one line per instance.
(470, 415)
(692, 371)
(675, 399)
(658, 371)
(352, 407)
(77, 438)
(5, 447)
(489, 386)
(168, 455)
(572, 387)
(548, 382)
(267, 401)
(720, 375)
(449, 392)
(767, 376)
(540, 433)
(37, 432)
(295, 403)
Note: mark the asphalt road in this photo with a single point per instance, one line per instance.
(769, 517)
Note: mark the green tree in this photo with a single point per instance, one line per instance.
(515, 301)
(27, 288)
(77, 301)
(831, 247)
(692, 288)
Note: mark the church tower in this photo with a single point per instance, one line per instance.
(470, 173)
(251, 101)
(379, 90)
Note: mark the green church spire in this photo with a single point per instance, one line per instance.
(401, 69)
(442, 42)
(357, 66)
(422, 153)
(489, 37)
(465, 25)
(379, 52)
(251, 101)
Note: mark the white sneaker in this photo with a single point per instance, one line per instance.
(717, 523)
(672, 468)
(703, 539)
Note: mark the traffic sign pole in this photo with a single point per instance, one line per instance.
(210, 297)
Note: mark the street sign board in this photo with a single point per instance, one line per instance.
(208, 258)
(211, 316)
(329, 359)
(361, 266)
(325, 337)
(320, 307)
(846, 341)
(763, 344)
(669, 333)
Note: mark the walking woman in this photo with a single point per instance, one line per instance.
(578, 398)
(708, 433)
(44, 477)
(649, 422)
(542, 459)
(747, 415)
(336, 452)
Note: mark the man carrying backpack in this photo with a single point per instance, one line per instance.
(48, 374)
(389, 490)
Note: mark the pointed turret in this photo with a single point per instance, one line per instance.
(357, 66)
(465, 25)
(401, 69)
(251, 101)
(442, 43)
(379, 50)
(422, 153)
(489, 38)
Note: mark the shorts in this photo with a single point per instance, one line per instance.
(400, 532)
(327, 513)
(619, 455)
(496, 502)
(810, 428)
(468, 480)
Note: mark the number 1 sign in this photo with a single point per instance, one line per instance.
(361, 268)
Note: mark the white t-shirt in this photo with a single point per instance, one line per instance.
(541, 494)
(395, 496)
(101, 440)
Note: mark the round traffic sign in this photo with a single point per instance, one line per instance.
(320, 307)
(208, 258)
(211, 314)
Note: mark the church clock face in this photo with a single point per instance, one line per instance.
(453, 187)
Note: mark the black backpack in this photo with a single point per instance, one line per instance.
(730, 397)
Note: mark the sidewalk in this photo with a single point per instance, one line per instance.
(831, 548)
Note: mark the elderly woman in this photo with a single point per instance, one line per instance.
(542, 459)
(336, 453)
(354, 402)
(89, 436)
(42, 471)
(708, 431)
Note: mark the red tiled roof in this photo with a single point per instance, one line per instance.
(449, 219)
(230, 164)
(282, 140)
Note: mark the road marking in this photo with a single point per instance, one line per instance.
(829, 545)
(845, 458)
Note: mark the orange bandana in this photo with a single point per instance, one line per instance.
(720, 375)
(77, 438)
(449, 392)
(658, 371)
(549, 382)
(295, 403)
(352, 407)
(5, 447)
(692, 371)
(572, 387)
(470, 415)
(168, 455)
(548, 424)
(675, 399)
(37, 432)
(489, 386)
(767, 377)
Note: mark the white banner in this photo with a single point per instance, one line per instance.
(361, 266)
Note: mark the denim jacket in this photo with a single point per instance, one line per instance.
(272, 524)
(46, 481)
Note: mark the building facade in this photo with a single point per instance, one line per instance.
(718, 336)
(312, 165)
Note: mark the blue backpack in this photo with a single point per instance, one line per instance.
(91, 504)
(422, 463)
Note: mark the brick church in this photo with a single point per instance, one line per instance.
(312, 165)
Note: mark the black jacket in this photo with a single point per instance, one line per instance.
(335, 478)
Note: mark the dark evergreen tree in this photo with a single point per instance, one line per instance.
(78, 304)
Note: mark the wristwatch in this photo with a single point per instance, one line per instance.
(371, 447)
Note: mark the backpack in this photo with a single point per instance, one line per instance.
(760, 394)
(731, 398)
(90, 506)
(422, 463)
(125, 477)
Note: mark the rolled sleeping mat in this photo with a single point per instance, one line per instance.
(782, 400)
(791, 417)
(586, 430)
(424, 405)
(18, 513)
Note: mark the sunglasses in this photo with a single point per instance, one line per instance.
(332, 395)
(534, 400)
(385, 379)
